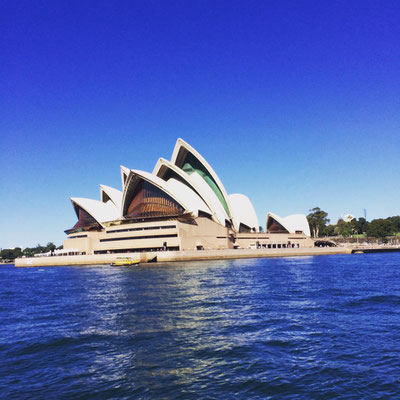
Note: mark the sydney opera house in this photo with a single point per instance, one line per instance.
(181, 205)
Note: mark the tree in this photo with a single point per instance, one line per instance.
(329, 230)
(28, 252)
(7, 254)
(50, 247)
(11, 254)
(317, 220)
(343, 228)
(395, 222)
(359, 226)
(261, 229)
(380, 228)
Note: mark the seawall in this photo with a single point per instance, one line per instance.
(171, 256)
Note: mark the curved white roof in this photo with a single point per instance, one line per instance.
(197, 184)
(213, 200)
(193, 201)
(243, 211)
(292, 223)
(100, 211)
(178, 191)
(114, 195)
(124, 175)
(181, 144)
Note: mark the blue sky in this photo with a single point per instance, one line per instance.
(295, 104)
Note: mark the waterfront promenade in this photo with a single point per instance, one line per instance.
(171, 256)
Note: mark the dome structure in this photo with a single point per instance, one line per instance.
(192, 163)
(186, 185)
(294, 223)
(168, 171)
(93, 213)
(245, 215)
(181, 205)
(124, 175)
(108, 193)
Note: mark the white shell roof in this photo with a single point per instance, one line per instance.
(181, 143)
(124, 173)
(197, 184)
(183, 195)
(243, 211)
(213, 200)
(193, 194)
(114, 194)
(188, 196)
(100, 211)
(292, 223)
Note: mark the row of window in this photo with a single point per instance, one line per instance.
(138, 250)
(275, 246)
(140, 237)
(77, 236)
(146, 228)
(253, 237)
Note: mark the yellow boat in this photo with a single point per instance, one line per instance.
(124, 262)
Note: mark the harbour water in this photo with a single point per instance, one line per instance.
(290, 328)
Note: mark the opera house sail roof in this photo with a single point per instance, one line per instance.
(192, 163)
(147, 195)
(168, 171)
(290, 224)
(185, 186)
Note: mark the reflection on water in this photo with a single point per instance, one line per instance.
(306, 327)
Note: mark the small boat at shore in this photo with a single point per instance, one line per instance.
(124, 262)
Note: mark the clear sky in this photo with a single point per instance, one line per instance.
(294, 103)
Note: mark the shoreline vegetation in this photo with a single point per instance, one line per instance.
(9, 255)
(381, 230)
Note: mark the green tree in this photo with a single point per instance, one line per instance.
(380, 228)
(395, 222)
(50, 247)
(329, 230)
(343, 228)
(7, 254)
(39, 249)
(359, 225)
(317, 220)
(11, 254)
(28, 252)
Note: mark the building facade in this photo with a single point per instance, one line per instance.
(181, 205)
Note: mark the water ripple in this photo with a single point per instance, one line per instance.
(292, 328)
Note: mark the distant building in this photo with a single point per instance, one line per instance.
(181, 205)
(348, 218)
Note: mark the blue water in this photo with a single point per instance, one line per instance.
(290, 328)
